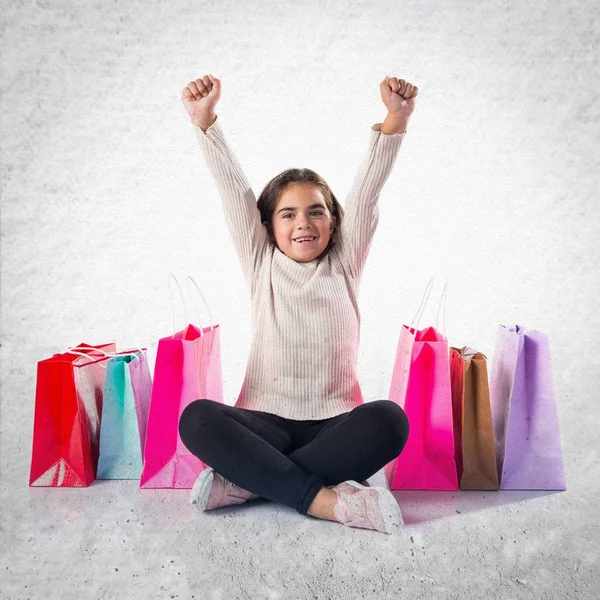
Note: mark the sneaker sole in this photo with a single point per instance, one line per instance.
(390, 511)
(201, 488)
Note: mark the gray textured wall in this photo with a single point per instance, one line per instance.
(104, 190)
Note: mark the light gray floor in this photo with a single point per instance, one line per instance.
(94, 212)
(112, 540)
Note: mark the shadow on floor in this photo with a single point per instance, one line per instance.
(420, 506)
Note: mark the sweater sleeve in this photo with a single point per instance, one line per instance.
(242, 216)
(361, 211)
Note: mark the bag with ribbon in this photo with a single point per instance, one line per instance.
(187, 368)
(472, 416)
(126, 399)
(68, 409)
(524, 412)
(421, 386)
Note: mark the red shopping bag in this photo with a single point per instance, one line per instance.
(66, 429)
(421, 386)
(187, 368)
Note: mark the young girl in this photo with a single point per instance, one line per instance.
(300, 433)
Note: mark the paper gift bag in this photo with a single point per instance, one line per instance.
(187, 368)
(473, 431)
(524, 412)
(421, 386)
(68, 407)
(127, 391)
(401, 372)
(398, 387)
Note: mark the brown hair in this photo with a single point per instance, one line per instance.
(271, 194)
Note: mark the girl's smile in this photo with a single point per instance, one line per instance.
(301, 213)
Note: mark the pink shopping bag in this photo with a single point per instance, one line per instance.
(187, 368)
(524, 412)
(421, 386)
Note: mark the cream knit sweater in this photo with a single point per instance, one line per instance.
(305, 316)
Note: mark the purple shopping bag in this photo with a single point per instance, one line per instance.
(524, 412)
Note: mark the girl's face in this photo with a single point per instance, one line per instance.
(301, 212)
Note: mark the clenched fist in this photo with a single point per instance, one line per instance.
(398, 96)
(200, 98)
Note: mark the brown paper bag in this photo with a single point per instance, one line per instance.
(473, 432)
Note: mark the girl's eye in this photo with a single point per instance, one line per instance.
(319, 212)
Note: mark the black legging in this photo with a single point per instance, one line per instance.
(289, 461)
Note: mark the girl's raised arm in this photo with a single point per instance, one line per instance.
(361, 208)
(242, 216)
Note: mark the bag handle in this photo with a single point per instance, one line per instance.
(75, 350)
(188, 277)
(171, 274)
(424, 300)
(442, 299)
(421, 308)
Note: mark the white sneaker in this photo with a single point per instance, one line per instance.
(367, 507)
(211, 490)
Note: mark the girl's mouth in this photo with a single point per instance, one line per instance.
(307, 241)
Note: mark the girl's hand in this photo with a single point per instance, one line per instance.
(201, 96)
(398, 96)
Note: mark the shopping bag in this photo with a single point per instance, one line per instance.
(473, 432)
(421, 386)
(524, 412)
(127, 391)
(187, 368)
(68, 408)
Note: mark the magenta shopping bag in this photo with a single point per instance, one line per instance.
(421, 386)
(187, 368)
(524, 413)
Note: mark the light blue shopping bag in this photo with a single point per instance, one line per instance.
(127, 392)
